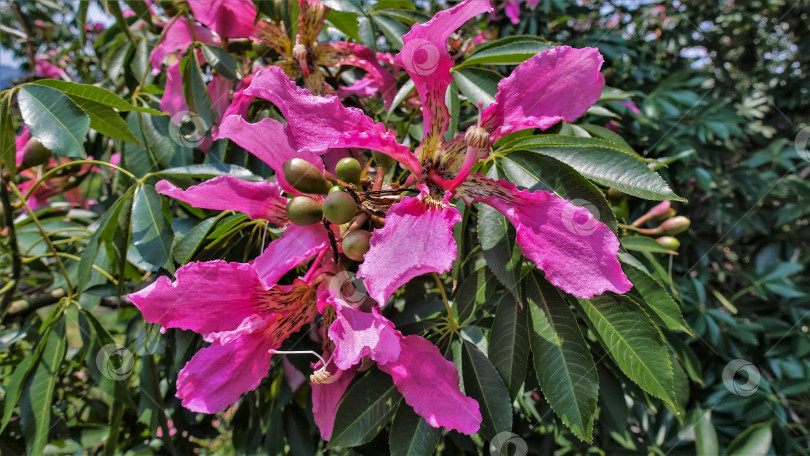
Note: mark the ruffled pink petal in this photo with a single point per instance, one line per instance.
(220, 90)
(325, 401)
(575, 250)
(557, 84)
(217, 375)
(177, 39)
(298, 244)
(229, 18)
(239, 106)
(365, 58)
(259, 200)
(417, 238)
(173, 100)
(319, 123)
(430, 385)
(425, 57)
(249, 325)
(512, 9)
(267, 140)
(357, 334)
(205, 297)
(364, 88)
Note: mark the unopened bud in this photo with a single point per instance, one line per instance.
(304, 211)
(305, 177)
(356, 244)
(658, 210)
(668, 242)
(477, 137)
(671, 227)
(299, 52)
(34, 154)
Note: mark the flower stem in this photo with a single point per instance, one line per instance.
(452, 319)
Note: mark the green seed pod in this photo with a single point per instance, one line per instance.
(355, 244)
(339, 208)
(349, 170)
(675, 225)
(304, 211)
(305, 177)
(336, 188)
(34, 154)
(668, 242)
(382, 160)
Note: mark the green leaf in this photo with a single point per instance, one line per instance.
(184, 248)
(633, 341)
(403, 92)
(453, 107)
(141, 10)
(509, 343)
(103, 230)
(195, 90)
(392, 29)
(656, 298)
(54, 119)
(603, 162)
(472, 293)
(411, 435)
(511, 50)
(604, 133)
(364, 410)
(482, 383)
(35, 403)
(152, 232)
(157, 149)
(754, 441)
(479, 85)
(643, 244)
(208, 171)
(564, 366)
(94, 338)
(347, 6)
(528, 169)
(368, 36)
(98, 94)
(106, 121)
(8, 144)
(345, 22)
(705, 435)
(221, 60)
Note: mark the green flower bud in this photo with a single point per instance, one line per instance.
(305, 177)
(259, 48)
(355, 244)
(668, 242)
(304, 211)
(349, 170)
(336, 188)
(339, 208)
(675, 225)
(34, 154)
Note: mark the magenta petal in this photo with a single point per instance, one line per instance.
(204, 297)
(325, 401)
(298, 244)
(430, 385)
(512, 9)
(357, 334)
(229, 18)
(319, 123)
(364, 88)
(365, 58)
(417, 238)
(557, 84)
(220, 90)
(267, 140)
(177, 38)
(256, 199)
(427, 61)
(575, 250)
(173, 100)
(217, 375)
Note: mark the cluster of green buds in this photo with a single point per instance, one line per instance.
(329, 199)
(671, 225)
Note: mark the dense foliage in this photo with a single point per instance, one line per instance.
(707, 353)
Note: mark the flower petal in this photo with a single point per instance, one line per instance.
(298, 244)
(425, 57)
(205, 297)
(319, 123)
(325, 400)
(256, 199)
(229, 18)
(557, 84)
(173, 100)
(357, 334)
(178, 38)
(417, 238)
(575, 250)
(363, 57)
(217, 375)
(267, 140)
(430, 385)
(310, 20)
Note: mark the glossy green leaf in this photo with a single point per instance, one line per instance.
(510, 50)
(633, 341)
(656, 298)
(482, 383)
(152, 232)
(106, 121)
(472, 293)
(346, 22)
(643, 244)
(107, 371)
(93, 93)
(195, 90)
(222, 61)
(392, 29)
(8, 145)
(509, 342)
(365, 409)
(705, 435)
(564, 366)
(54, 119)
(186, 246)
(367, 32)
(208, 171)
(754, 441)
(453, 108)
(411, 435)
(479, 85)
(157, 149)
(103, 230)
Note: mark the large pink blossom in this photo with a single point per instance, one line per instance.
(228, 18)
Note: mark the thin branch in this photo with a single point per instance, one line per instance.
(29, 41)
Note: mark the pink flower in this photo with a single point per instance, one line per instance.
(228, 18)
(46, 69)
(176, 40)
